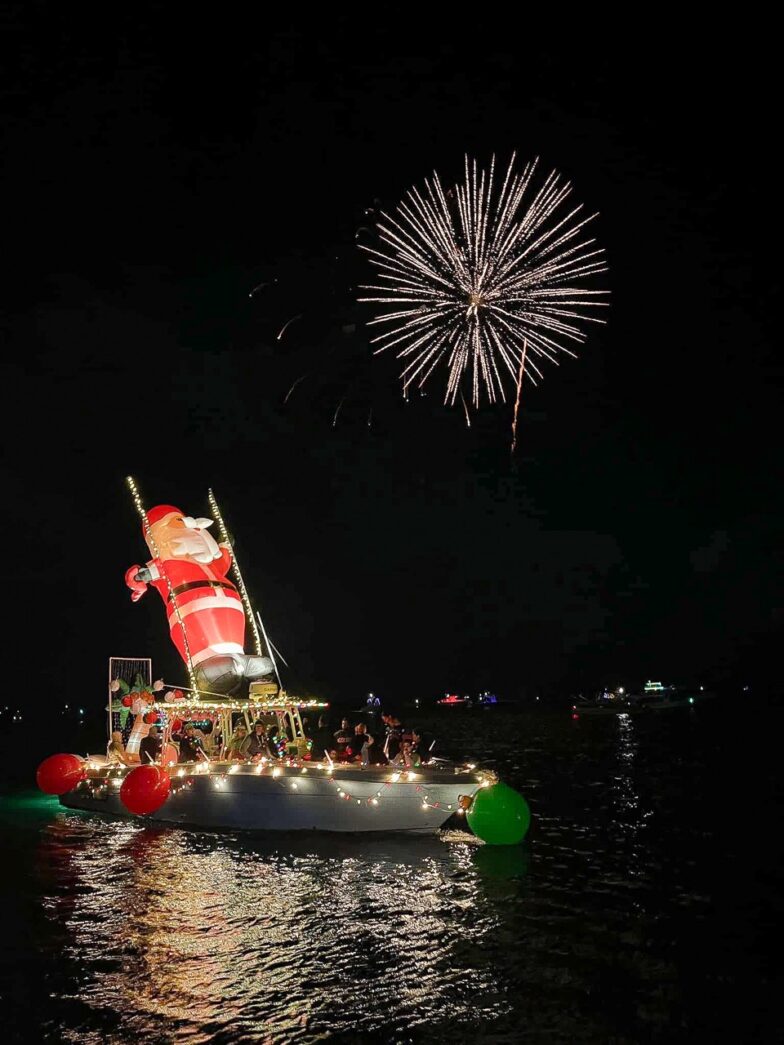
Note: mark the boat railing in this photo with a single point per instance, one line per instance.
(99, 766)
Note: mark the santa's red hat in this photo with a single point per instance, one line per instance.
(160, 511)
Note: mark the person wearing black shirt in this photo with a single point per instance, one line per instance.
(150, 747)
(394, 736)
(422, 744)
(344, 742)
(191, 746)
(256, 745)
(323, 740)
(366, 749)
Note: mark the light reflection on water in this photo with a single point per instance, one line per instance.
(625, 917)
(222, 935)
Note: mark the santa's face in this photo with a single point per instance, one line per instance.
(183, 537)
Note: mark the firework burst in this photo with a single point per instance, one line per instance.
(484, 278)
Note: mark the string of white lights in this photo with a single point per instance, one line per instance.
(236, 568)
(182, 779)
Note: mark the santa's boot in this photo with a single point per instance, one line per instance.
(221, 675)
(258, 669)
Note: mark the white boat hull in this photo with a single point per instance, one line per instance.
(294, 798)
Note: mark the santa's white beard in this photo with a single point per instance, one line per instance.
(197, 545)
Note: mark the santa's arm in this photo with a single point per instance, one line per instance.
(138, 577)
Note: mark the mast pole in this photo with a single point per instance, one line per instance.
(235, 567)
(109, 708)
(269, 647)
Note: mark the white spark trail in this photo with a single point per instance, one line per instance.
(287, 324)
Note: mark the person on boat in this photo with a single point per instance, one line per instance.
(365, 748)
(150, 747)
(204, 609)
(115, 752)
(344, 738)
(394, 734)
(406, 756)
(217, 741)
(191, 746)
(361, 744)
(256, 746)
(422, 744)
(411, 757)
(323, 740)
(235, 752)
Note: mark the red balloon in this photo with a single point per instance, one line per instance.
(176, 725)
(145, 789)
(151, 718)
(59, 773)
(178, 695)
(126, 701)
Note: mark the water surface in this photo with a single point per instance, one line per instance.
(640, 908)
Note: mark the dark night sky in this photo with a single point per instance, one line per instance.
(157, 170)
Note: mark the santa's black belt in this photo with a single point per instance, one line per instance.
(190, 585)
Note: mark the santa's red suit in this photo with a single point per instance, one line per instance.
(209, 605)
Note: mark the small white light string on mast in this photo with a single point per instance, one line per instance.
(151, 540)
(235, 566)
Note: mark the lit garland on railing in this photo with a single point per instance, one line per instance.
(183, 775)
(374, 799)
(236, 705)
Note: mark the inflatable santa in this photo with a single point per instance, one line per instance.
(189, 571)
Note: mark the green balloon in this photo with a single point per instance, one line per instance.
(499, 815)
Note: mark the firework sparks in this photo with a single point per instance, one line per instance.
(485, 279)
(520, 373)
(465, 408)
(261, 286)
(287, 324)
(294, 385)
